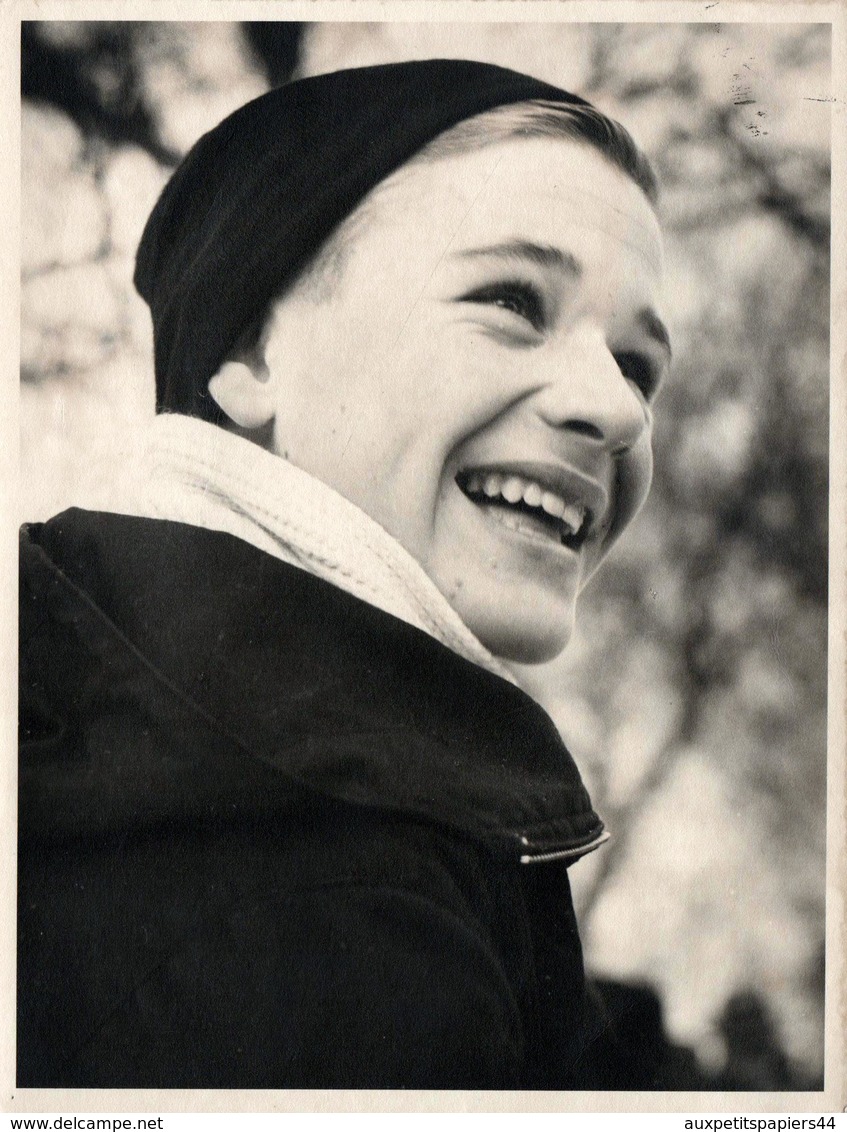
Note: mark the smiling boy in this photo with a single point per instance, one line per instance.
(286, 818)
(508, 356)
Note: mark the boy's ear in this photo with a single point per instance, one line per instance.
(242, 389)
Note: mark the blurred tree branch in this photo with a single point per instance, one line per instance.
(772, 194)
(94, 80)
(276, 47)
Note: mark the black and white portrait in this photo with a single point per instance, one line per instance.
(424, 578)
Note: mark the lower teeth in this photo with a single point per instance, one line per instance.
(522, 522)
(532, 521)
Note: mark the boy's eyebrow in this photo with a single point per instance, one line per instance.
(541, 255)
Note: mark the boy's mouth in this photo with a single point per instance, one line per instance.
(528, 505)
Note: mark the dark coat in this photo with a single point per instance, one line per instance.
(271, 836)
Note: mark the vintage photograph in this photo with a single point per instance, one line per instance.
(424, 447)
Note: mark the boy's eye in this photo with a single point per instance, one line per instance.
(639, 369)
(520, 299)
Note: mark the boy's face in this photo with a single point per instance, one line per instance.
(477, 378)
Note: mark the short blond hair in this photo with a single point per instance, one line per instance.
(532, 119)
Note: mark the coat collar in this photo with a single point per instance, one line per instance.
(318, 687)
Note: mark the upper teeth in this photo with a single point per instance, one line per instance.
(514, 488)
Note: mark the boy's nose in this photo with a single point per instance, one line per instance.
(586, 393)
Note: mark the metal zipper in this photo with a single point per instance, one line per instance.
(562, 854)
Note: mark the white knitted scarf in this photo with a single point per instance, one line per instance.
(194, 472)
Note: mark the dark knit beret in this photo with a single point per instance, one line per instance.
(258, 195)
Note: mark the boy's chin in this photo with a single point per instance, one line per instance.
(523, 640)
